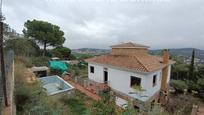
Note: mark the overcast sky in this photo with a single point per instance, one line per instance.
(101, 23)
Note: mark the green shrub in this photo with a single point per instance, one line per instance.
(179, 85)
(130, 110)
(78, 70)
(62, 52)
(192, 85)
(76, 106)
(181, 104)
(22, 97)
(22, 47)
(100, 108)
(32, 61)
(106, 106)
(200, 84)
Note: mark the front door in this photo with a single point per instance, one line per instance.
(105, 76)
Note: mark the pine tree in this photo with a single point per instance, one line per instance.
(191, 70)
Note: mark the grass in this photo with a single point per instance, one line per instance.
(76, 106)
(33, 61)
(77, 70)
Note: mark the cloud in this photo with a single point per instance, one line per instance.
(101, 23)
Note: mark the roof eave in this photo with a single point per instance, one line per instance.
(125, 69)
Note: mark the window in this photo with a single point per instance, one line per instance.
(91, 69)
(154, 80)
(135, 81)
(105, 76)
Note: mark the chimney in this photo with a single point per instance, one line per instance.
(166, 56)
(164, 84)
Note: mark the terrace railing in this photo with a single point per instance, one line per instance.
(91, 85)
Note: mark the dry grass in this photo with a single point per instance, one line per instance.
(23, 74)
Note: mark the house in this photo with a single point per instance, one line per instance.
(132, 73)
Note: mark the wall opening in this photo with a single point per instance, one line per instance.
(154, 80)
(105, 76)
(91, 69)
(135, 81)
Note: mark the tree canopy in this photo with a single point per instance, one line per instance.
(22, 46)
(62, 52)
(191, 69)
(44, 33)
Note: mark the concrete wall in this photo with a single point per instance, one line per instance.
(9, 73)
(120, 80)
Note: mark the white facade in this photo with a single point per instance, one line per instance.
(119, 79)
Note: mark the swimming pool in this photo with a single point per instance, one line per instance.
(55, 85)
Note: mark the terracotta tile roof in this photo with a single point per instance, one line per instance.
(129, 45)
(140, 63)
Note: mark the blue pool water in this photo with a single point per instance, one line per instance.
(55, 84)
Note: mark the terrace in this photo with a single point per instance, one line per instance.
(89, 87)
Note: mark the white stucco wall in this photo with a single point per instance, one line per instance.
(120, 80)
(98, 73)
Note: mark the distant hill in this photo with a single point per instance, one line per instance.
(186, 52)
(91, 51)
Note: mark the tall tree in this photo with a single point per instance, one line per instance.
(191, 69)
(44, 33)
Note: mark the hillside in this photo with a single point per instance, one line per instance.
(91, 51)
(186, 52)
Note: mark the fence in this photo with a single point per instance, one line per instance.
(9, 75)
